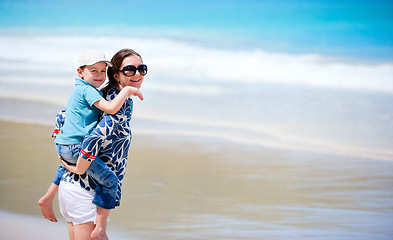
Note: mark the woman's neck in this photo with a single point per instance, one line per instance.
(118, 86)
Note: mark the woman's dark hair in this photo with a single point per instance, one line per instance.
(116, 61)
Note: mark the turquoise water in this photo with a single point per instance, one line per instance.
(343, 28)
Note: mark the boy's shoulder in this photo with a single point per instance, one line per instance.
(81, 84)
(82, 87)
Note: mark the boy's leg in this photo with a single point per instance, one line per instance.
(99, 232)
(61, 170)
(105, 195)
(68, 153)
(71, 154)
(45, 203)
(106, 189)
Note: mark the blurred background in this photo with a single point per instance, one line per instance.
(283, 83)
(312, 75)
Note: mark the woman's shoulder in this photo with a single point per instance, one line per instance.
(112, 93)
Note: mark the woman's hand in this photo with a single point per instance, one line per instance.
(71, 168)
(80, 168)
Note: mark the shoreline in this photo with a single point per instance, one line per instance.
(223, 138)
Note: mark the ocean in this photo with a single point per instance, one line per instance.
(304, 76)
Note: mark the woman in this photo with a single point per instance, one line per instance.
(110, 140)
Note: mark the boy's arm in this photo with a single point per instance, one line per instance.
(114, 106)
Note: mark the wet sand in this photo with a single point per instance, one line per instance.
(22, 227)
(200, 188)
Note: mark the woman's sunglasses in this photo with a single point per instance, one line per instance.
(130, 70)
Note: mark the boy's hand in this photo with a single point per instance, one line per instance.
(135, 92)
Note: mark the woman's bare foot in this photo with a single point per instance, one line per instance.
(47, 209)
(98, 234)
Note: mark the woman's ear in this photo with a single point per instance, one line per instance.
(116, 76)
(80, 72)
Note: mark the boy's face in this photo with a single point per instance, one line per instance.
(93, 74)
(133, 81)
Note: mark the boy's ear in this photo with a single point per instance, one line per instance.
(80, 72)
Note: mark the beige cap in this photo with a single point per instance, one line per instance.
(91, 57)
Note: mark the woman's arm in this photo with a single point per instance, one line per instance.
(80, 168)
(92, 143)
(59, 122)
(113, 106)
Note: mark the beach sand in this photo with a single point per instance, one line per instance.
(203, 188)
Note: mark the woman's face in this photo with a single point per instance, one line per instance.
(133, 81)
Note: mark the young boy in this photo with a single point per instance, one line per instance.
(83, 112)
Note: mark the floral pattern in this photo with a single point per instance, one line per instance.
(110, 140)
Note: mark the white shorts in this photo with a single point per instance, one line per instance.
(76, 203)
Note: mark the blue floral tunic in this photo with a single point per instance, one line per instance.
(110, 140)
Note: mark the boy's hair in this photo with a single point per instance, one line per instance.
(116, 61)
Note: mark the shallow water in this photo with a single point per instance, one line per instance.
(198, 188)
(299, 101)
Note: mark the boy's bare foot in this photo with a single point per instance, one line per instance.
(98, 234)
(47, 209)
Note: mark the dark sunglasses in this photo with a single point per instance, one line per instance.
(130, 70)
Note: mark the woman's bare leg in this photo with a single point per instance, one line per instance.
(70, 230)
(83, 231)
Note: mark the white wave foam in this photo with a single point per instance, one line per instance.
(258, 66)
(49, 56)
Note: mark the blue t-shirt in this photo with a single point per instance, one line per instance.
(82, 115)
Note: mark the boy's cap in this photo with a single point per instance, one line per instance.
(91, 57)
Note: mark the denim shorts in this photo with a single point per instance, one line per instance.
(69, 153)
